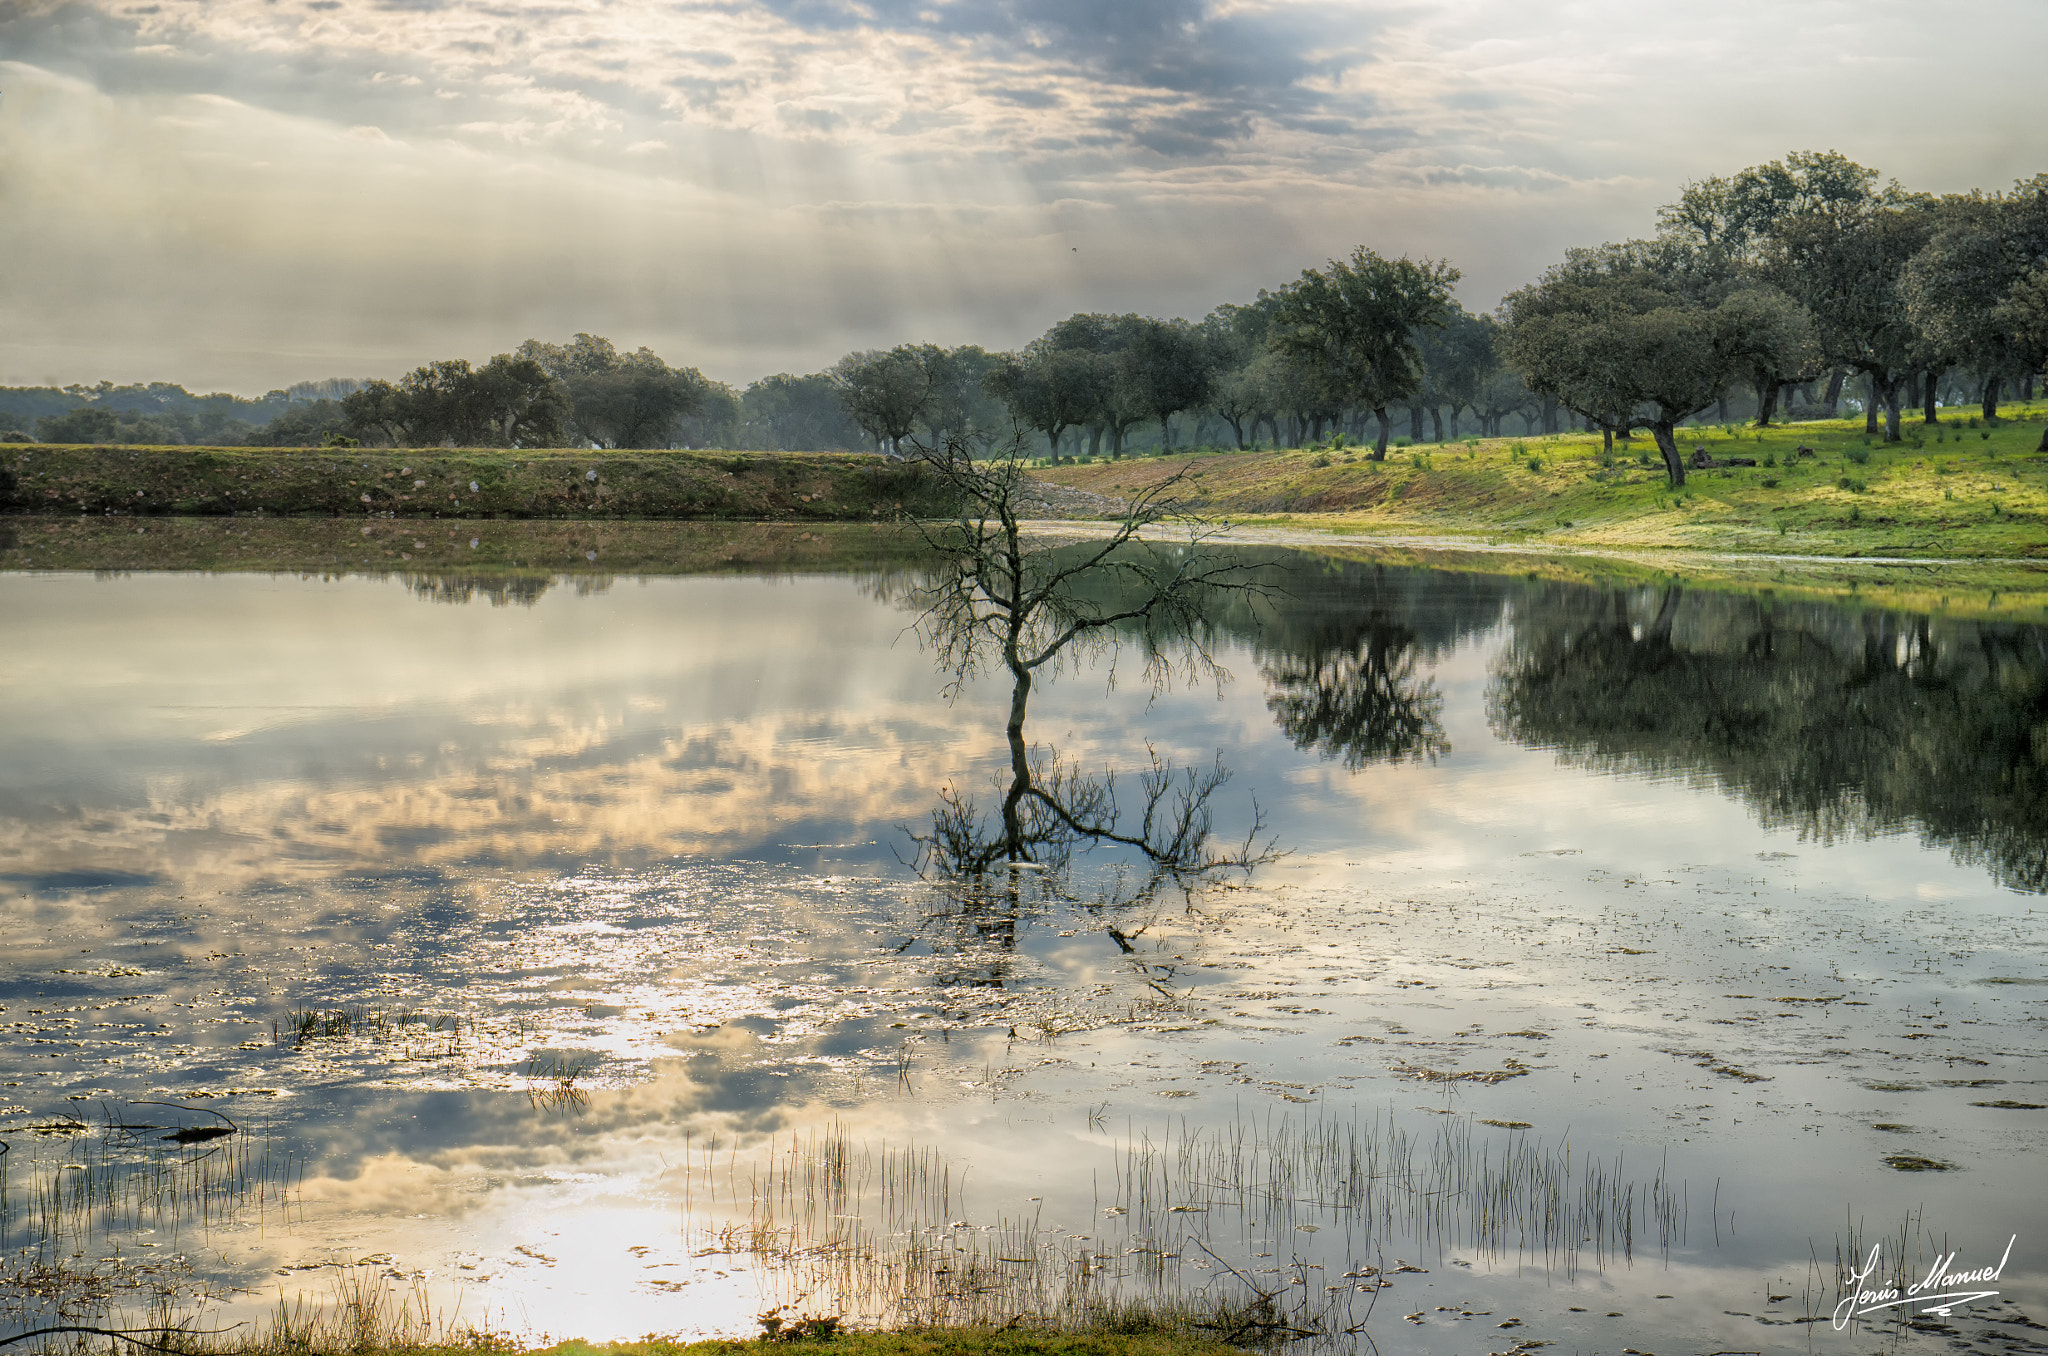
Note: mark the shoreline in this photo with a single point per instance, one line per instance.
(485, 554)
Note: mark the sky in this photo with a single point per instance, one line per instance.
(240, 194)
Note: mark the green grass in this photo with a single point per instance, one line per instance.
(456, 483)
(1946, 491)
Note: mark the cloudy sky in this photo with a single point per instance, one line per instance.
(237, 194)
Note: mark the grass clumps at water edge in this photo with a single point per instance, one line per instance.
(1105, 1341)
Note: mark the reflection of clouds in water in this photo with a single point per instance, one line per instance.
(518, 789)
(151, 658)
(714, 1085)
(298, 727)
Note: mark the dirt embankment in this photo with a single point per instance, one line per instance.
(459, 483)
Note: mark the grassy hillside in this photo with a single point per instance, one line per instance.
(458, 483)
(1959, 489)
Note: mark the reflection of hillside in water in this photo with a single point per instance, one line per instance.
(524, 589)
(1829, 721)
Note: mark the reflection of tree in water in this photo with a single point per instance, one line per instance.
(1829, 721)
(996, 603)
(1344, 647)
(1359, 701)
(523, 590)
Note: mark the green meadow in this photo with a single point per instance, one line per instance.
(1960, 489)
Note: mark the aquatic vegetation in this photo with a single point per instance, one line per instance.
(420, 1034)
(98, 1216)
(887, 1234)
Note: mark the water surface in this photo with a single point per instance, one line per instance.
(558, 949)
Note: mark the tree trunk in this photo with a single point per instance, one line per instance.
(1550, 414)
(1930, 413)
(2027, 386)
(1454, 423)
(1237, 430)
(1721, 406)
(1607, 439)
(1991, 385)
(1912, 391)
(1379, 449)
(1766, 402)
(1674, 465)
(1833, 401)
(1870, 404)
(1892, 390)
(1020, 756)
(1166, 433)
(1415, 423)
(1094, 441)
(1436, 417)
(1659, 629)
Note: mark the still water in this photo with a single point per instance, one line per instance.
(1620, 966)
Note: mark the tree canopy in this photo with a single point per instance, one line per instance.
(1355, 324)
(617, 399)
(508, 402)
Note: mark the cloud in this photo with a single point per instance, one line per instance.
(1226, 143)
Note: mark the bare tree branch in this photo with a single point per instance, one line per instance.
(995, 600)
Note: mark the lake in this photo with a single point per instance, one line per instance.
(592, 954)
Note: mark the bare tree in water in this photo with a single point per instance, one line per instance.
(997, 601)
